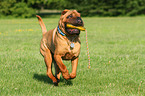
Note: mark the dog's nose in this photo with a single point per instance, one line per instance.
(80, 21)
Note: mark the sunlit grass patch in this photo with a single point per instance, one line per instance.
(117, 54)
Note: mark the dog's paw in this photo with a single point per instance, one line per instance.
(66, 75)
(72, 76)
(55, 83)
(58, 80)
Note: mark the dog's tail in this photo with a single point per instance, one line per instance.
(44, 30)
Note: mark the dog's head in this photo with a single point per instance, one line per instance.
(73, 18)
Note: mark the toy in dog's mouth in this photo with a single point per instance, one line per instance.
(71, 29)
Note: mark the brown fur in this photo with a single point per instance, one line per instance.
(55, 47)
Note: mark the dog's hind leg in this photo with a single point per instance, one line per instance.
(48, 61)
(57, 71)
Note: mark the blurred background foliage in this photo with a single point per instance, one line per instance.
(28, 8)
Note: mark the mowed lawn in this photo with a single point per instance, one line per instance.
(117, 51)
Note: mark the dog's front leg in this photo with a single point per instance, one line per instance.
(62, 67)
(74, 63)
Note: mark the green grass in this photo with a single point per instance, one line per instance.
(117, 50)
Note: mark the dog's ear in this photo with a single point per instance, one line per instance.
(77, 13)
(64, 11)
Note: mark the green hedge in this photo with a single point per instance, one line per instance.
(27, 8)
(16, 9)
(111, 7)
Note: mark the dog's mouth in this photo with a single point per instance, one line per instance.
(72, 30)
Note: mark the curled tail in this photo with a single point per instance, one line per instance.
(44, 30)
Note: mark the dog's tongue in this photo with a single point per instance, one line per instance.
(73, 31)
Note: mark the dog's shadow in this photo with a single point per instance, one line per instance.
(46, 79)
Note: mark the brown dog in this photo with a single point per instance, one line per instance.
(61, 43)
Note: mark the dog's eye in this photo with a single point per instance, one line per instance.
(70, 16)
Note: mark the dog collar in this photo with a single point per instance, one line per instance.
(59, 31)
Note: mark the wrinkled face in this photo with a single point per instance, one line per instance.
(73, 18)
